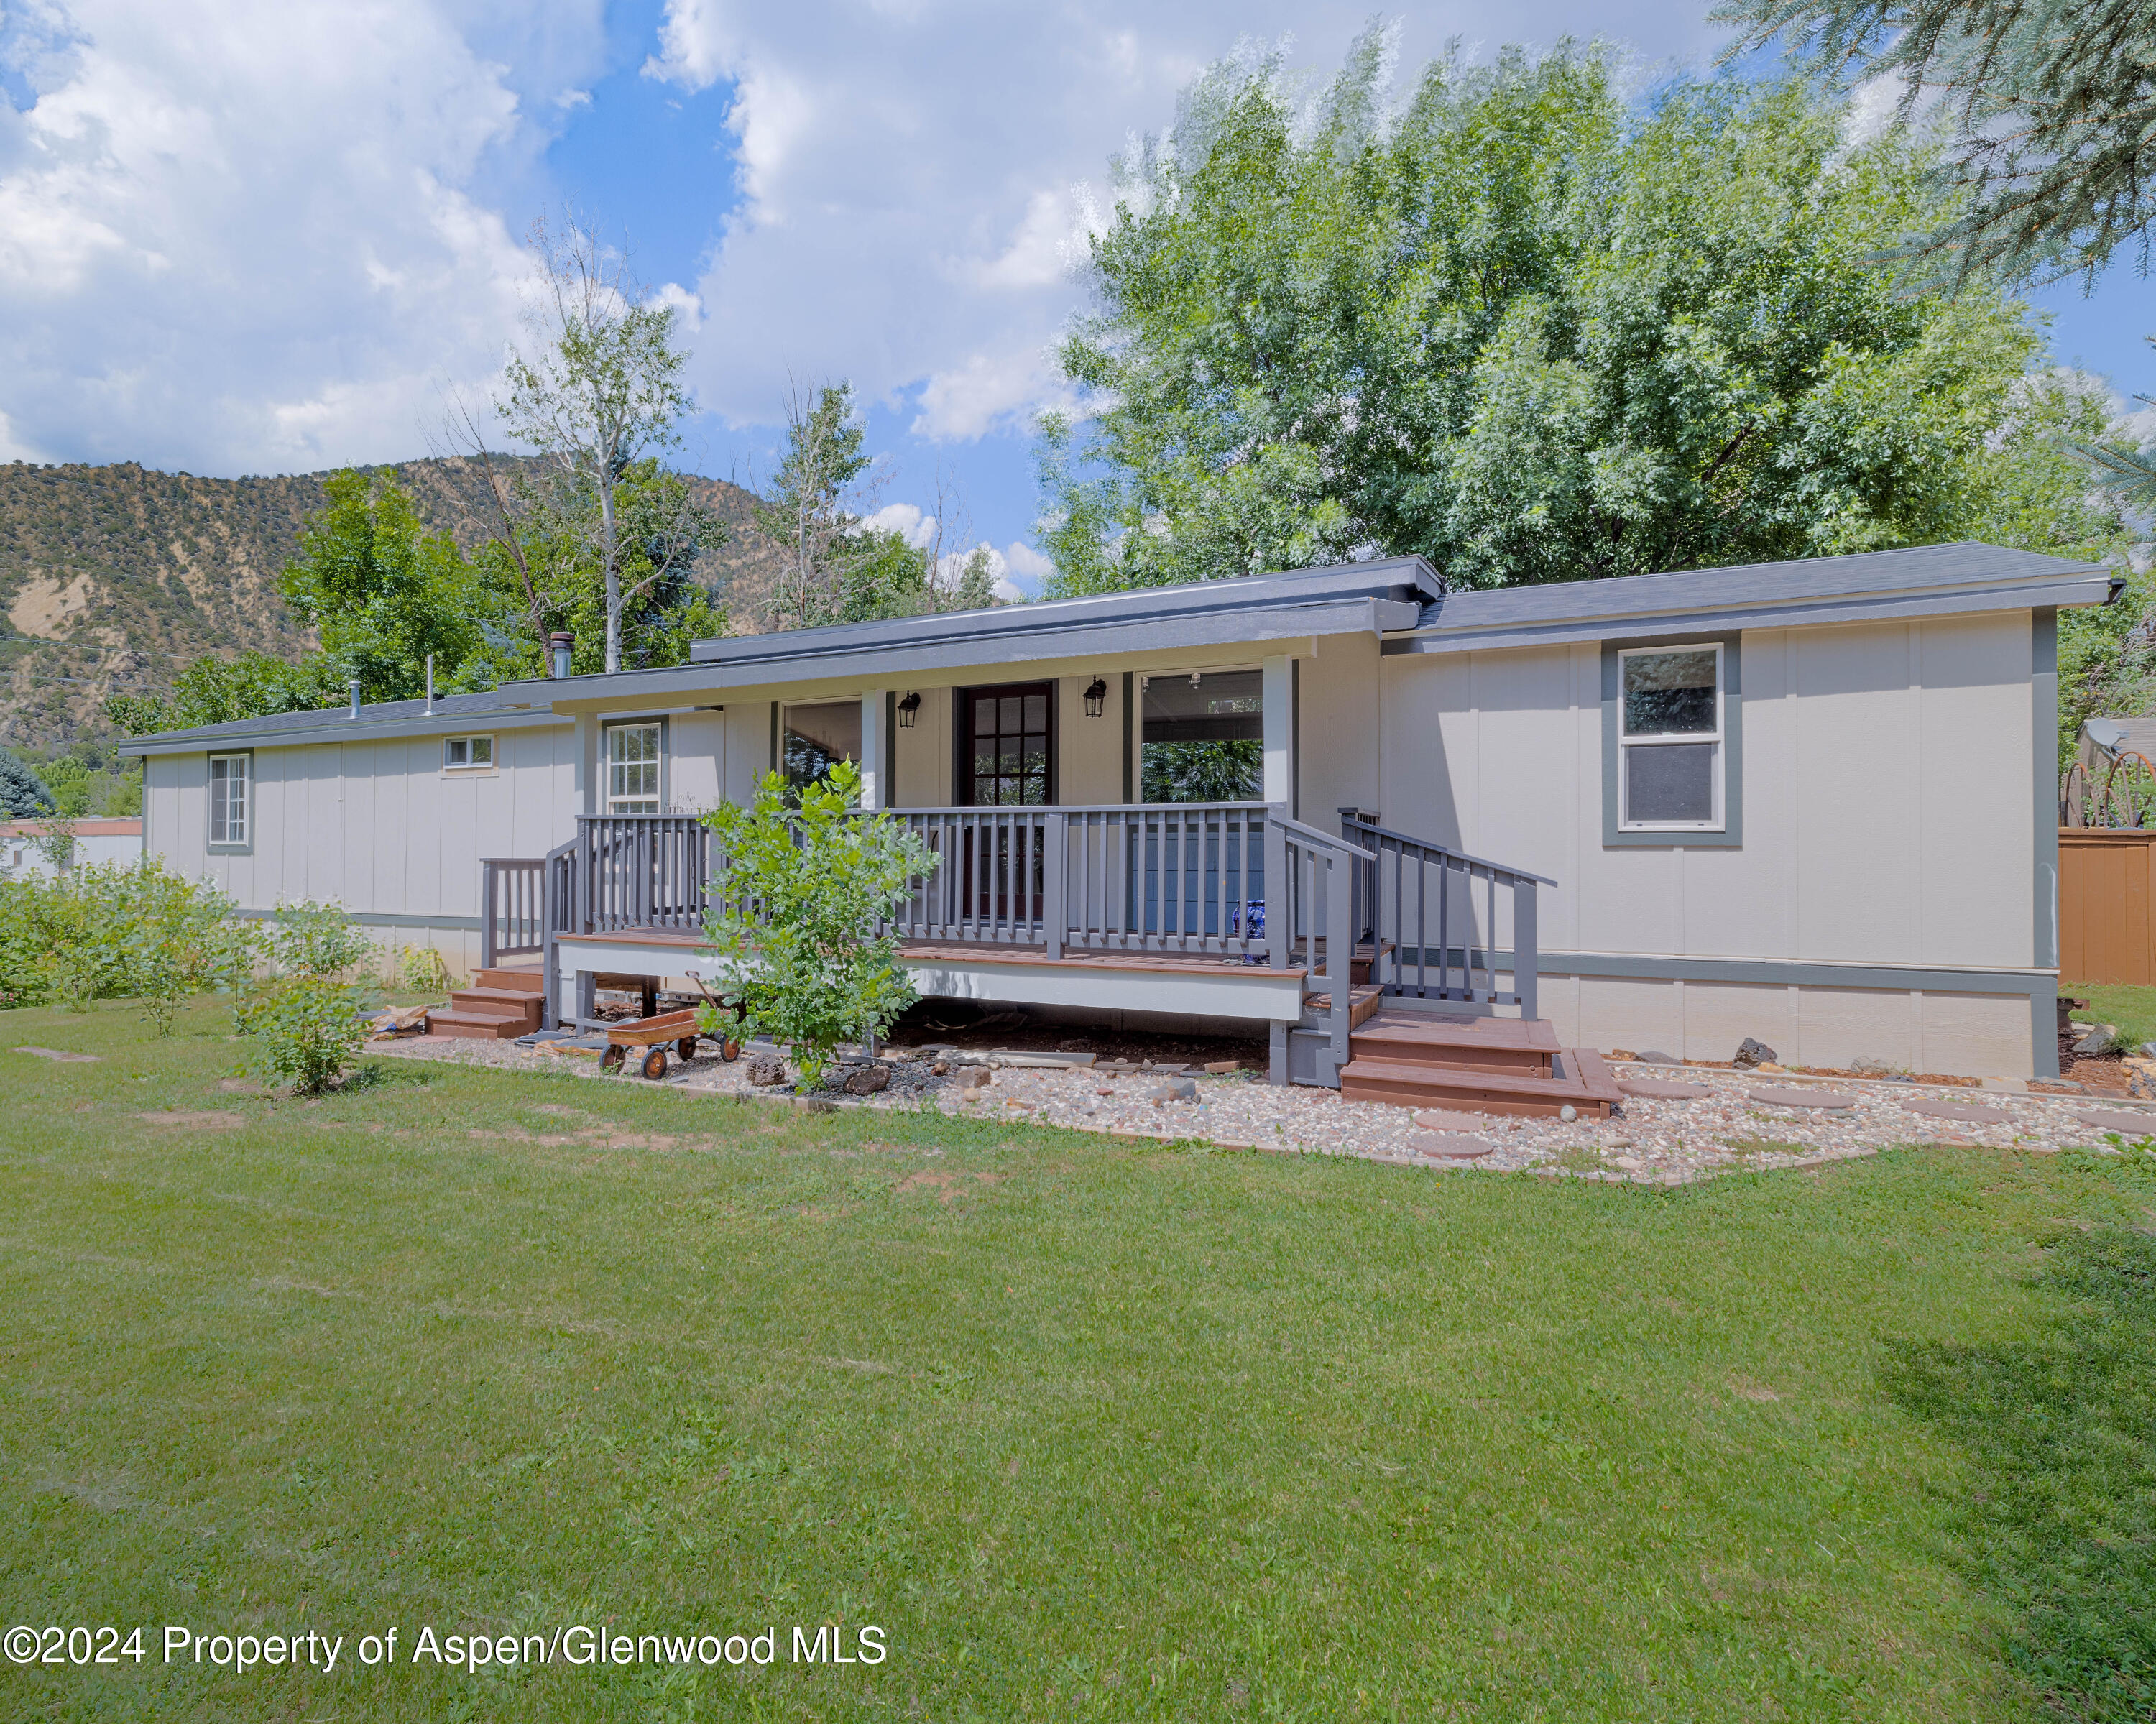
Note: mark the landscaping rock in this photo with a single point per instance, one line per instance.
(1955, 1110)
(2093, 1039)
(1567, 1113)
(1438, 1119)
(1662, 1090)
(1753, 1052)
(1221, 1068)
(1831, 1099)
(1451, 1145)
(972, 1077)
(763, 1071)
(1869, 1067)
(1654, 1056)
(2126, 1125)
(1181, 1089)
(868, 1079)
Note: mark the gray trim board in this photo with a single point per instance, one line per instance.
(1762, 972)
(387, 919)
(298, 730)
(1129, 759)
(1732, 835)
(2044, 815)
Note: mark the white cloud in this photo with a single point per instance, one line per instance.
(246, 234)
(912, 177)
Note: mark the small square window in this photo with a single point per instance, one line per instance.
(1669, 739)
(464, 754)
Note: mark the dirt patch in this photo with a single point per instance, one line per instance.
(241, 1086)
(597, 1139)
(947, 1187)
(62, 1054)
(43, 606)
(1746, 1390)
(2099, 1074)
(206, 1119)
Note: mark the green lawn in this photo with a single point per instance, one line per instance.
(2132, 1009)
(1087, 1429)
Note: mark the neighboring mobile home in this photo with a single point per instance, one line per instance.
(1812, 802)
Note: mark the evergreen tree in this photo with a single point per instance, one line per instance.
(23, 794)
(2053, 155)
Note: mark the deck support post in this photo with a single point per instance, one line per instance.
(1277, 897)
(1055, 912)
(1339, 953)
(1526, 959)
(1276, 1065)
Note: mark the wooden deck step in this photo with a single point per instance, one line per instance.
(481, 1026)
(532, 982)
(504, 1002)
(1510, 1045)
(1362, 1004)
(1579, 1080)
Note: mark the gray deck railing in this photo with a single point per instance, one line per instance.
(1187, 877)
(1415, 907)
(1230, 879)
(512, 915)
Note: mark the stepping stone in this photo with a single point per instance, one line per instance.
(1659, 1090)
(1958, 1110)
(2126, 1125)
(1449, 1146)
(1823, 1099)
(1437, 1119)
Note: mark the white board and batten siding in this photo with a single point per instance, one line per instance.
(375, 824)
(1887, 823)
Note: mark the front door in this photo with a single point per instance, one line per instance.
(1006, 759)
(1007, 746)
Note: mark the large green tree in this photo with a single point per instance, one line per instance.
(382, 591)
(1532, 334)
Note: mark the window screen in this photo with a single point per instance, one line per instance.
(1204, 737)
(633, 769)
(228, 798)
(465, 752)
(819, 737)
(1670, 743)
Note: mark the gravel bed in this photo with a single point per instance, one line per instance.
(1651, 1140)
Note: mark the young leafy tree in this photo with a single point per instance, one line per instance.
(1515, 329)
(808, 508)
(803, 890)
(214, 690)
(596, 390)
(2051, 105)
(383, 592)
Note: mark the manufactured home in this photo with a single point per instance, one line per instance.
(1812, 802)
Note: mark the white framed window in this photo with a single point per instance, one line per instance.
(1669, 739)
(230, 791)
(632, 769)
(467, 754)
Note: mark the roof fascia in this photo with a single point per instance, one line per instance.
(2094, 587)
(1347, 616)
(342, 730)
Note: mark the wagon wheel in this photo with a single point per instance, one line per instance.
(612, 1059)
(655, 1064)
(730, 1049)
(686, 1047)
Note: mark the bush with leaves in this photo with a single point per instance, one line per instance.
(108, 932)
(797, 914)
(304, 1016)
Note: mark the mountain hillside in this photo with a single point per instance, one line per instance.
(113, 578)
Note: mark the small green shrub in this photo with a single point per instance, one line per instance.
(105, 931)
(313, 939)
(798, 913)
(422, 970)
(306, 1029)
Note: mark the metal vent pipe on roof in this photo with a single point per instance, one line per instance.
(354, 686)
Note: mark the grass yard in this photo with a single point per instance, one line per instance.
(1084, 1428)
(2132, 1008)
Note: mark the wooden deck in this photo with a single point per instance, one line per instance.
(979, 952)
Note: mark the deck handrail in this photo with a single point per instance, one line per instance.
(1384, 916)
(512, 909)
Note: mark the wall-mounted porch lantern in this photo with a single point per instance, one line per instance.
(1096, 697)
(561, 644)
(909, 709)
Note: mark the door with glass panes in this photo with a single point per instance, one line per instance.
(1006, 760)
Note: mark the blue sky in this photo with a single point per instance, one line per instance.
(269, 235)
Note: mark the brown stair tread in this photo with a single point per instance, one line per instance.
(482, 1026)
(532, 982)
(494, 996)
(1584, 1083)
(1435, 1030)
